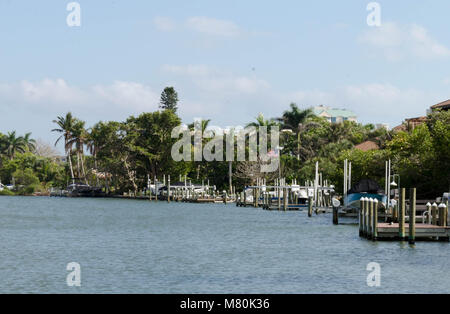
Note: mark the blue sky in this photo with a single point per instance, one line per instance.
(229, 60)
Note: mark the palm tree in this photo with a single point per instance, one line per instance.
(203, 126)
(79, 138)
(261, 121)
(295, 120)
(291, 119)
(66, 125)
(11, 144)
(93, 146)
(29, 142)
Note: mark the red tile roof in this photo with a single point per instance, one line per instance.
(443, 105)
(368, 145)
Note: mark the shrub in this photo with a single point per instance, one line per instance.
(6, 192)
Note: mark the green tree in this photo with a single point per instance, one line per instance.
(12, 144)
(66, 126)
(29, 142)
(79, 137)
(262, 121)
(293, 118)
(169, 99)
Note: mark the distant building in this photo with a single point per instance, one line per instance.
(334, 115)
(368, 145)
(382, 126)
(411, 124)
(445, 105)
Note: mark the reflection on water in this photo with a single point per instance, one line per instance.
(146, 247)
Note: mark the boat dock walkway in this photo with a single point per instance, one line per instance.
(434, 227)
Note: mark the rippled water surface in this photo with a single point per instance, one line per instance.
(126, 246)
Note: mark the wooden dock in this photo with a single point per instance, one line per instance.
(436, 227)
(424, 232)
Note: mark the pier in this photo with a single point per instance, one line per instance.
(282, 196)
(434, 225)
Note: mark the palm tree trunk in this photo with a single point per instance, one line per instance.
(78, 164)
(82, 169)
(96, 169)
(69, 153)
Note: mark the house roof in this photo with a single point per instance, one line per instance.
(413, 122)
(367, 145)
(442, 105)
(417, 120)
(401, 127)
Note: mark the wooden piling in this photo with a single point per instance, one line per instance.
(366, 215)
(370, 219)
(361, 215)
(156, 189)
(401, 220)
(395, 213)
(335, 215)
(434, 211)
(279, 197)
(149, 190)
(168, 189)
(429, 213)
(412, 216)
(442, 215)
(310, 206)
(375, 220)
(446, 212)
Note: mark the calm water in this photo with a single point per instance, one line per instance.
(128, 246)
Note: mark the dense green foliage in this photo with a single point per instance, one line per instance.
(121, 156)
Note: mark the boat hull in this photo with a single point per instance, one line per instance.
(353, 200)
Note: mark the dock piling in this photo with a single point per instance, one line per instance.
(361, 216)
(434, 211)
(429, 213)
(442, 215)
(375, 220)
(412, 216)
(401, 220)
(370, 219)
(335, 215)
(310, 206)
(168, 189)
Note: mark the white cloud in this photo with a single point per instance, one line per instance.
(58, 95)
(30, 106)
(165, 24)
(396, 42)
(215, 27)
(131, 95)
(215, 80)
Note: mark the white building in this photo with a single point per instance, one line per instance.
(335, 115)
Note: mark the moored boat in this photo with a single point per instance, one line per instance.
(365, 188)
